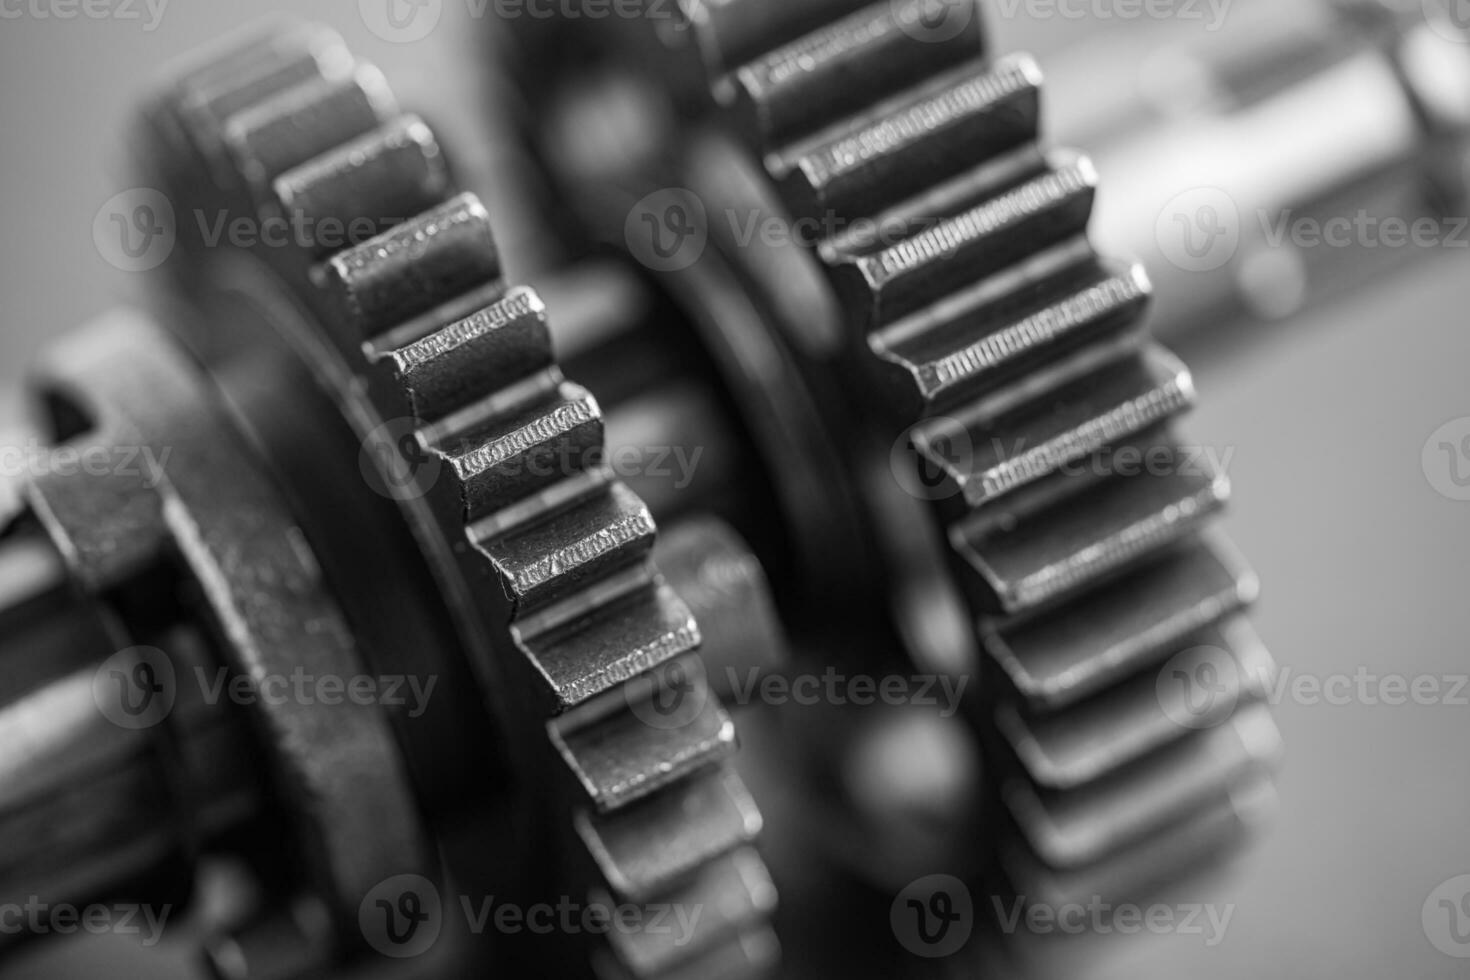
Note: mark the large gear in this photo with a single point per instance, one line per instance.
(960, 285)
(497, 467)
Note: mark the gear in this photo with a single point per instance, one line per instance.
(955, 280)
(494, 459)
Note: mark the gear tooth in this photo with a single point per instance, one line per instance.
(301, 123)
(1088, 537)
(841, 68)
(1132, 871)
(659, 843)
(1052, 425)
(922, 138)
(548, 559)
(1071, 829)
(1054, 662)
(609, 639)
(621, 758)
(966, 345)
(730, 34)
(1090, 740)
(256, 52)
(493, 348)
(244, 72)
(728, 942)
(411, 269)
(501, 452)
(361, 189)
(887, 281)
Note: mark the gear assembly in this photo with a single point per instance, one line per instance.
(437, 590)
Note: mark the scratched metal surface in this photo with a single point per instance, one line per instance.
(1366, 566)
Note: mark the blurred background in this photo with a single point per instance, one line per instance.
(1329, 415)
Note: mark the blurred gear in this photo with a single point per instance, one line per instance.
(1336, 122)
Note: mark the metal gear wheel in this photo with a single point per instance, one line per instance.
(952, 300)
(499, 538)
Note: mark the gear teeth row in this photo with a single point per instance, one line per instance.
(1117, 630)
(1104, 405)
(953, 351)
(291, 125)
(729, 935)
(1063, 549)
(965, 270)
(1076, 828)
(1067, 750)
(839, 70)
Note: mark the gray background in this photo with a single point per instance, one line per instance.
(1364, 563)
